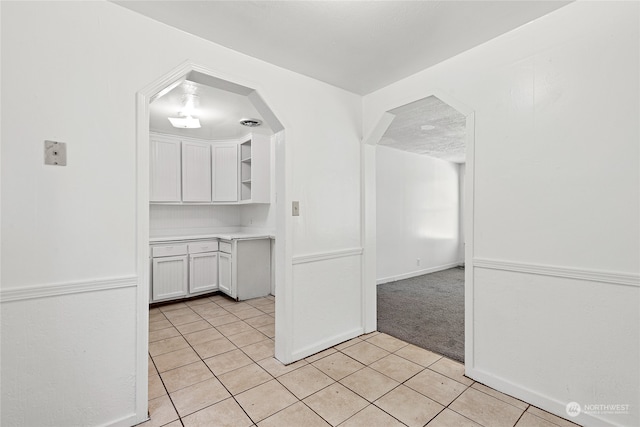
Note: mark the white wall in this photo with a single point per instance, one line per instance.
(556, 246)
(70, 72)
(172, 220)
(417, 214)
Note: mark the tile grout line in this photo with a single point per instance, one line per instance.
(487, 394)
(360, 369)
(162, 381)
(369, 403)
(208, 367)
(302, 400)
(464, 416)
(254, 423)
(167, 390)
(336, 351)
(424, 368)
(334, 381)
(168, 395)
(476, 421)
(394, 388)
(373, 404)
(544, 419)
(520, 417)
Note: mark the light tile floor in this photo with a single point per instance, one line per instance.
(211, 364)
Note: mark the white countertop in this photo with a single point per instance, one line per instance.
(224, 235)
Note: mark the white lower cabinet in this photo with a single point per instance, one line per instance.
(225, 274)
(169, 277)
(183, 269)
(203, 272)
(240, 268)
(245, 268)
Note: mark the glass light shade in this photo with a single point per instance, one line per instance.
(185, 122)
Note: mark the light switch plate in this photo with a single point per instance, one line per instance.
(55, 153)
(295, 208)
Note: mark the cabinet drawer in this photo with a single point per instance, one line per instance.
(199, 247)
(168, 250)
(225, 246)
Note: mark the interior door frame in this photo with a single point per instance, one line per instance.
(368, 220)
(283, 253)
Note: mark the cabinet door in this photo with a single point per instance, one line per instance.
(196, 172)
(169, 277)
(224, 274)
(253, 268)
(165, 170)
(203, 272)
(224, 162)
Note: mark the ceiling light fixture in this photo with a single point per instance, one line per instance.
(187, 122)
(190, 103)
(252, 123)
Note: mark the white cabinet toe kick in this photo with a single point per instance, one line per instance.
(239, 268)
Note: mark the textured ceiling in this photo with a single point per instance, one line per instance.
(219, 112)
(429, 127)
(359, 46)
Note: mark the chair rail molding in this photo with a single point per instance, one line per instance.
(57, 289)
(323, 256)
(610, 277)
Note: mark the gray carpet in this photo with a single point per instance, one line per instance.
(427, 311)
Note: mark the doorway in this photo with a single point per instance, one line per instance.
(275, 215)
(420, 155)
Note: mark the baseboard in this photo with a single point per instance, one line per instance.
(56, 289)
(325, 344)
(541, 401)
(418, 273)
(127, 421)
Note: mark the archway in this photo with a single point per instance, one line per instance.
(144, 97)
(369, 218)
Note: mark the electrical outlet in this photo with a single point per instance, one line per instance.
(418, 262)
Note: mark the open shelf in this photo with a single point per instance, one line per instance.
(245, 170)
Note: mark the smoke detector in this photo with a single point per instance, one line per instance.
(252, 123)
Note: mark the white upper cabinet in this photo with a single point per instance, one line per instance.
(186, 170)
(224, 162)
(255, 167)
(196, 172)
(165, 170)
